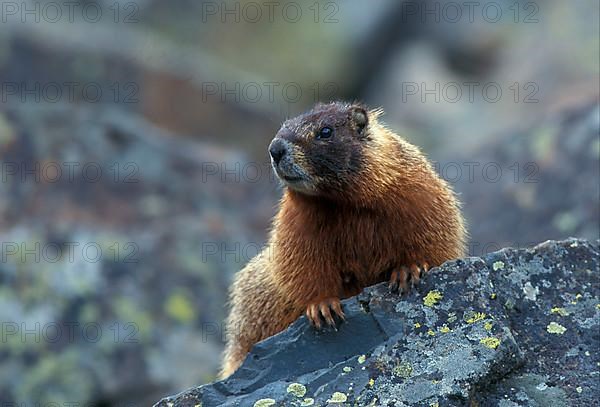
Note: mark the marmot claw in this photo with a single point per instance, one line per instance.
(323, 309)
(400, 277)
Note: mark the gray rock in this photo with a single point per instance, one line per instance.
(154, 291)
(542, 183)
(514, 328)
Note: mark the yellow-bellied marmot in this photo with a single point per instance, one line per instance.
(361, 206)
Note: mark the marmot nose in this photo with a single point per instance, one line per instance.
(277, 149)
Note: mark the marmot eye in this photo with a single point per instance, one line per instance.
(325, 132)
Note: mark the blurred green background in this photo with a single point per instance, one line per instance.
(135, 180)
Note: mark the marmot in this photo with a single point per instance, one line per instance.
(361, 205)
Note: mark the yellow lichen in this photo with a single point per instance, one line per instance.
(432, 298)
(338, 397)
(493, 296)
(477, 316)
(487, 326)
(297, 389)
(179, 307)
(490, 342)
(444, 329)
(309, 401)
(361, 359)
(578, 296)
(598, 306)
(371, 382)
(498, 265)
(403, 370)
(417, 325)
(430, 333)
(555, 328)
(264, 403)
(560, 311)
(347, 369)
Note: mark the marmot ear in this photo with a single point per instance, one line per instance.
(359, 117)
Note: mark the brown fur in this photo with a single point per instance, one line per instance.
(372, 205)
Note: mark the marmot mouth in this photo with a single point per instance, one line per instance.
(287, 176)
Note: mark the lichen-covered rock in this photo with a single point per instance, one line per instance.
(149, 204)
(515, 328)
(532, 185)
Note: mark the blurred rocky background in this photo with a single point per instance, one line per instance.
(134, 178)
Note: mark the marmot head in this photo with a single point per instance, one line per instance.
(323, 152)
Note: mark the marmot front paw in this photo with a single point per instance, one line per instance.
(400, 277)
(323, 309)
